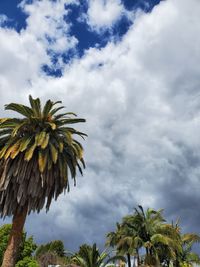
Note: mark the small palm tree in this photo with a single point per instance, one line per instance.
(125, 239)
(37, 152)
(186, 257)
(91, 257)
(132, 237)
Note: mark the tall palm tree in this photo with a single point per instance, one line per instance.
(37, 151)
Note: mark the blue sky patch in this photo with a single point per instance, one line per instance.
(86, 37)
(16, 17)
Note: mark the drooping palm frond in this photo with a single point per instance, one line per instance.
(37, 153)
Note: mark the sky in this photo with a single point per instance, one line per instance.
(131, 68)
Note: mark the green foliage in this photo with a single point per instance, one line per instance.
(163, 242)
(4, 236)
(55, 246)
(89, 256)
(84, 248)
(42, 249)
(26, 249)
(186, 256)
(27, 262)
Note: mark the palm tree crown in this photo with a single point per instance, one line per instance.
(36, 152)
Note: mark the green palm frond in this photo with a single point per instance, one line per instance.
(89, 256)
(190, 237)
(193, 258)
(47, 108)
(21, 109)
(36, 106)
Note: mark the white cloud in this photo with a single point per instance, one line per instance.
(140, 97)
(23, 54)
(21, 59)
(102, 14)
(46, 22)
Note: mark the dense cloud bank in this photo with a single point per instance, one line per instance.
(140, 97)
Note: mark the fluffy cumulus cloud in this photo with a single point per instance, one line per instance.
(140, 97)
(23, 54)
(102, 14)
(46, 21)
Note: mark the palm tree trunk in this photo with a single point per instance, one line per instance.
(129, 259)
(11, 253)
(138, 257)
(176, 263)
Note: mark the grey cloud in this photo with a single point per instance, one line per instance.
(142, 111)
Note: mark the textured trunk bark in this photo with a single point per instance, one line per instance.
(10, 255)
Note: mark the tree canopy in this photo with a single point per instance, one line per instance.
(37, 150)
(163, 243)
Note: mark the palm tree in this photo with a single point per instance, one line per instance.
(37, 151)
(165, 241)
(150, 231)
(170, 244)
(121, 241)
(91, 257)
(131, 236)
(126, 239)
(189, 257)
(186, 257)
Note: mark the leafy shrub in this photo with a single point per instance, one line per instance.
(55, 246)
(27, 262)
(26, 249)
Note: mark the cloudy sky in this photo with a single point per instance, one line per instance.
(131, 68)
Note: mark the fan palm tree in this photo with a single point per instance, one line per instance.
(37, 151)
(91, 257)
